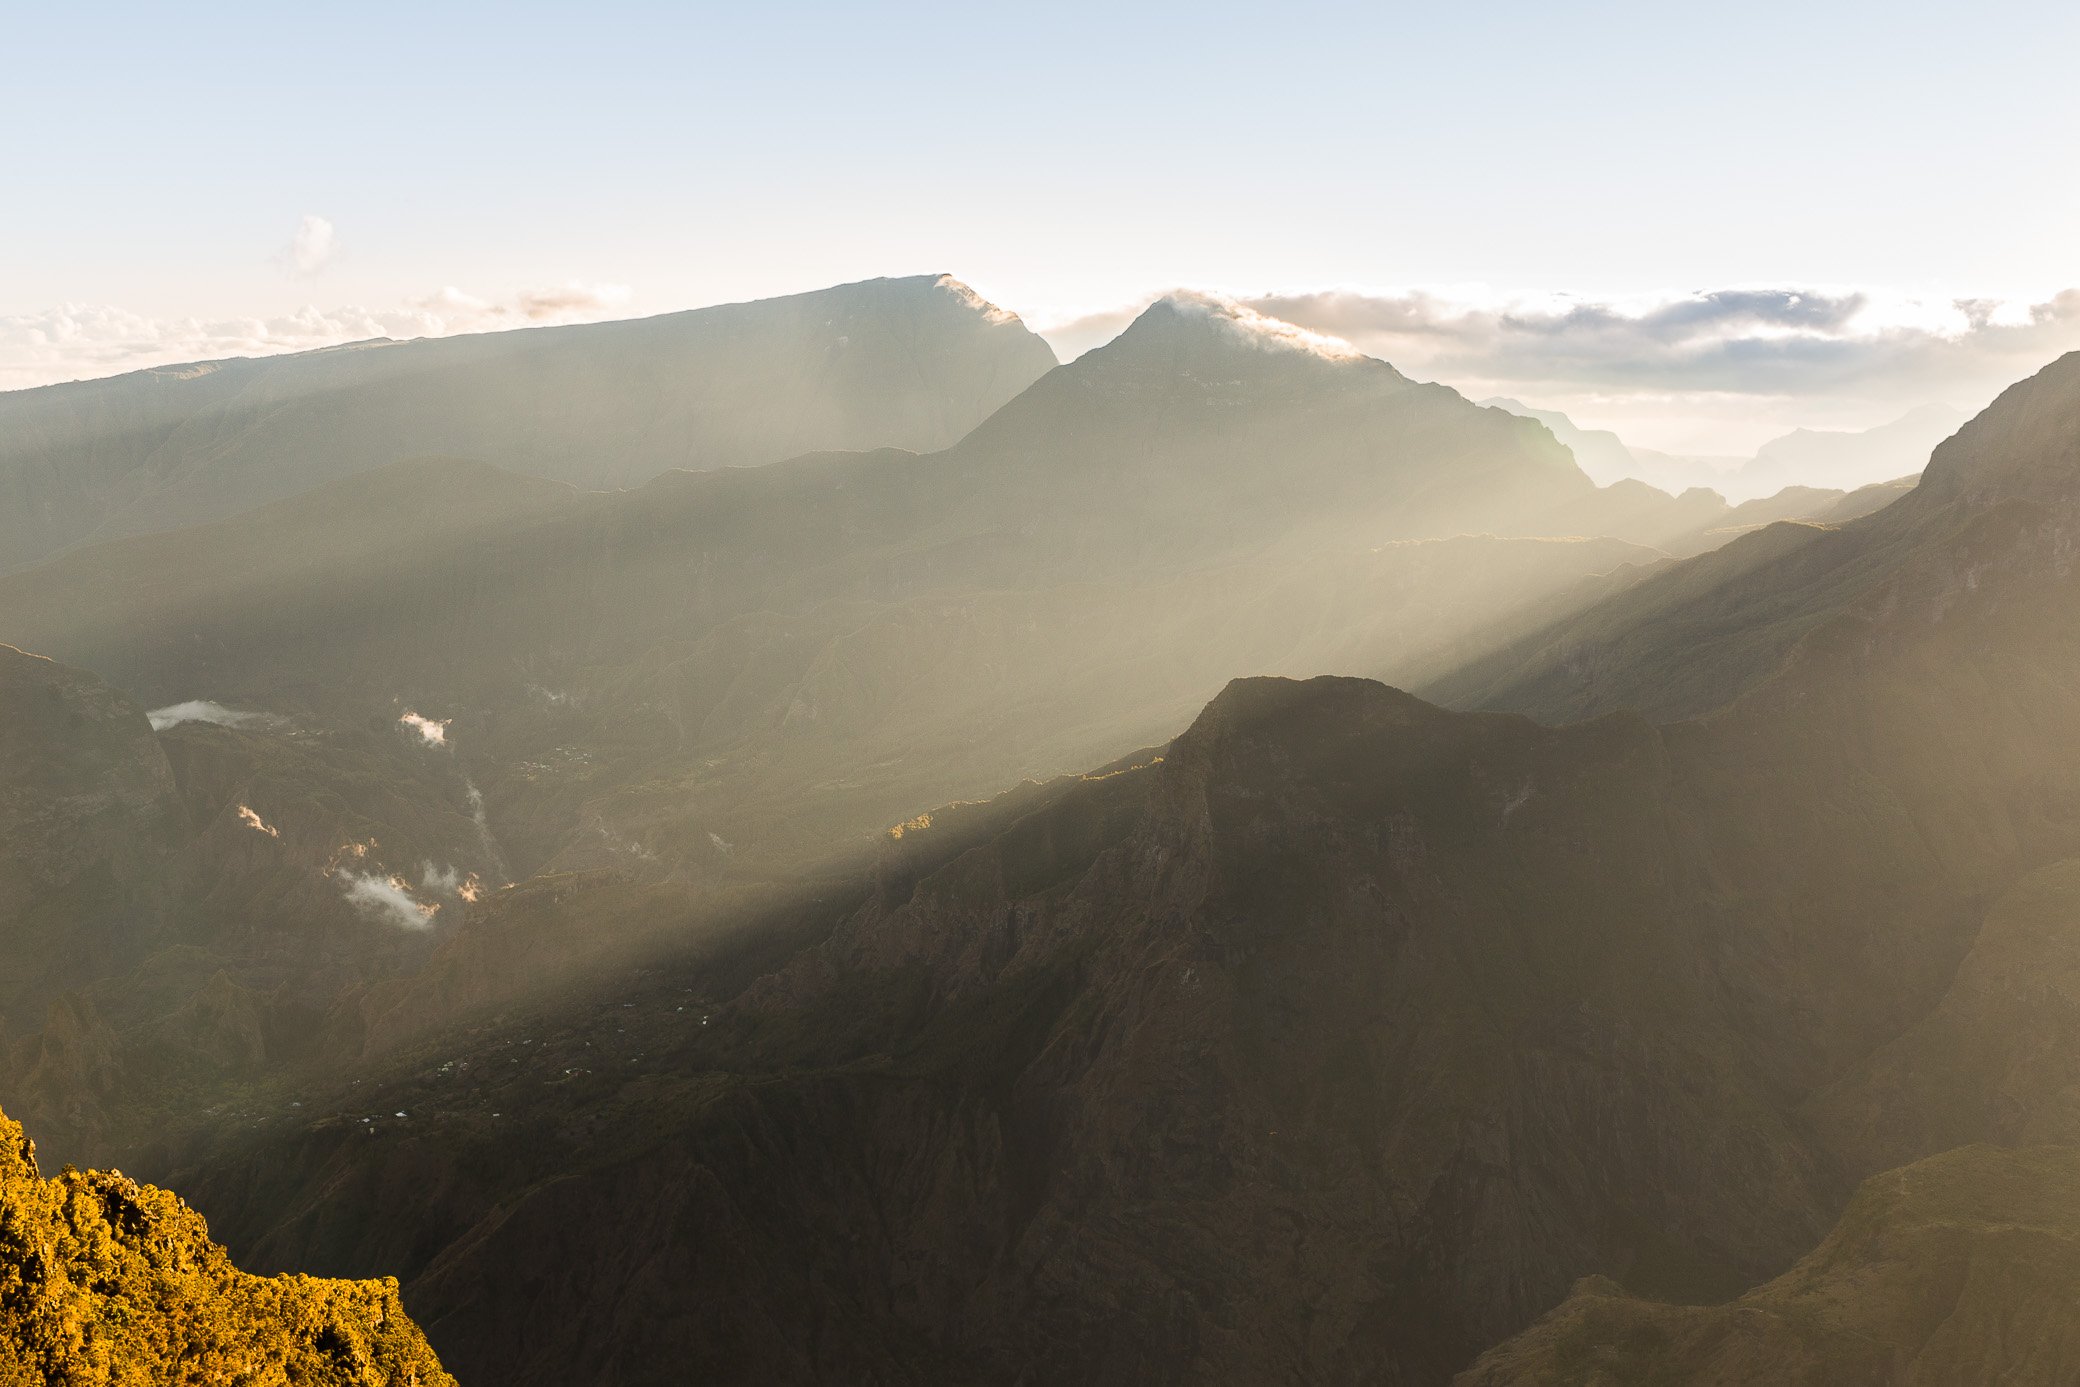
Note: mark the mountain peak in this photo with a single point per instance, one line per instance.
(1188, 316)
(1205, 342)
(968, 298)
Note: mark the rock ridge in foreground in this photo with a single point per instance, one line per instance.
(108, 1283)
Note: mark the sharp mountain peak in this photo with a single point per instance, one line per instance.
(1187, 328)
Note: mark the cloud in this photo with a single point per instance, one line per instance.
(84, 341)
(567, 301)
(449, 881)
(1782, 342)
(202, 710)
(1256, 329)
(388, 899)
(313, 246)
(482, 820)
(432, 731)
(1737, 364)
(974, 302)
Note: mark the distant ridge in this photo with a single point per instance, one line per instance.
(911, 363)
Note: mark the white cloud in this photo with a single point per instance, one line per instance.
(388, 899)
(84, 341)
(1753, 360)
(1685, 370)
(449, 881)
(202, 710)
(572, 300)
(1254, 328)
(432, 731)
(313, 246)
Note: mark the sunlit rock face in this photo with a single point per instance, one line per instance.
(108, 1283)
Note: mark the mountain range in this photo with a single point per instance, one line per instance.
(978, 914)
(1821, 458)
(1341, 1011)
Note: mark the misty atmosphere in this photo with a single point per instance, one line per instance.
(673, 722)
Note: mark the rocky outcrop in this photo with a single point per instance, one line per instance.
(108, 1283)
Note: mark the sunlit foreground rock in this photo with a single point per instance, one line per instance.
(106, 1281)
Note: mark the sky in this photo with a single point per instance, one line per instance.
(1699, 225)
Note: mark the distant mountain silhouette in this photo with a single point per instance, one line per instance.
(1810, 457)
(1804, 458)
(909, 363)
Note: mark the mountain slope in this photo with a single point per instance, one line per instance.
(89, 819)
(1697, 635)
(1070, 581)
(912, 363)
(1334, 1045)
(1961, 1268)
(105, 1281)
(1601, 453)
(680, 699)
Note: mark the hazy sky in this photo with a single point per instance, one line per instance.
(182, 178)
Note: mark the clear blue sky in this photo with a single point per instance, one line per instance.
(1060, 156)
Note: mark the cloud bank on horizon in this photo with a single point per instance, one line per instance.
(1710, 371)
(86, 341)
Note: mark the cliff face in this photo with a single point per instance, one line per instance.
(108, 1283)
